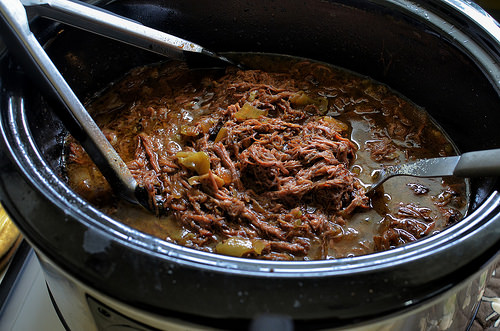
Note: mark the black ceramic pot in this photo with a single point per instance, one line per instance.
(443, 55)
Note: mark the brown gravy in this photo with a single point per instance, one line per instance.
(187, 135)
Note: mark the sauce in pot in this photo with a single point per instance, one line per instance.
(270, 163)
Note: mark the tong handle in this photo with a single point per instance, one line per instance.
(36, 62)
(97, 20)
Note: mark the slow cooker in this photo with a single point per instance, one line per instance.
(102, 275)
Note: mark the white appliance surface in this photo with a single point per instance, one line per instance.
(28, 306)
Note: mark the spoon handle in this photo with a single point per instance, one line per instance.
(470, 164)
(479, 163)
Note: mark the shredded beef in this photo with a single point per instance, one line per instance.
(410, 223)
(274, 166)
(260, 164)
(263, 170)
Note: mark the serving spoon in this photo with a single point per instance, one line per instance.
(23, 44)
(470, 164)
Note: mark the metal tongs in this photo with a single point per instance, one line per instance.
(25, 46)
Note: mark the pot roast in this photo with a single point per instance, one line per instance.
(270, 163)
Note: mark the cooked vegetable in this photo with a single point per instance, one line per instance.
(199, 179)
(302, 99)
(237, 246)
(336, 124)
(248, 111)
(221, 135)
(197, 161)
